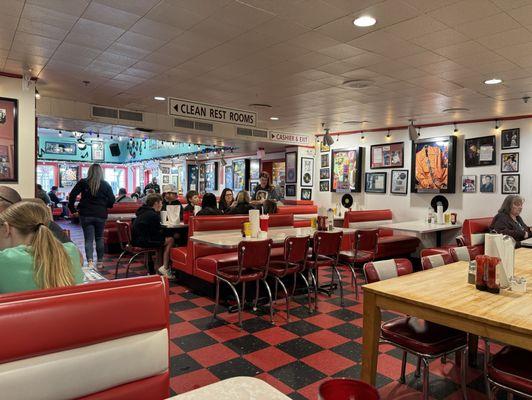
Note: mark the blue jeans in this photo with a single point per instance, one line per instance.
(93, 231)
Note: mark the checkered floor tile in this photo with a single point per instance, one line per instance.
(295, 357)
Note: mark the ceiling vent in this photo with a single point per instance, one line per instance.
(183, 123)
(244, 132)
(104, 112)
(130, 115)
(113, 113)
(260, 133)
(203, 126)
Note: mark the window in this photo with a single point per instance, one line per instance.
(46, 176)
(116, 177)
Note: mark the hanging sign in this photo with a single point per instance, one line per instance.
(209, 112)
(291, 138)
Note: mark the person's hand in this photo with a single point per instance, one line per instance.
(75, 215)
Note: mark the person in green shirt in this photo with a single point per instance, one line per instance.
(30, 255)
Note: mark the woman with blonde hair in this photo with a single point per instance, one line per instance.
(30, 255)
(96, 197)
(243, 204)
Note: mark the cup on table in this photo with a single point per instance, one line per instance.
(346, 389)
(247, 229)
(453, 218)
(264, 222)
(447, 217)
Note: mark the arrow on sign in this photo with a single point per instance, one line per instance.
(176, 107)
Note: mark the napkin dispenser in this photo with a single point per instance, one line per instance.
(172, 214)
(254, 220)
(502, 246)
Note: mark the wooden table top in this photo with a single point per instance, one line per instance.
(446, 289)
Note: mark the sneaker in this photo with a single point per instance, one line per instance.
(90, 264)
(165, 271)
(99, 265)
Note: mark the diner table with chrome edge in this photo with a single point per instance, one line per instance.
(422, 228)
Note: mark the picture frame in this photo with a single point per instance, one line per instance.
(192, 177)
(324, 147)
(433, 165)
(98, 152)
(375, 182)
(480, 151)
(306, 194)
(510, 162)
(68, 175)
(254, 169)
(239, 175)
(8, 140)
(324, 186)
(211, 176)
(325, 173)
(229, 177)
(469, 183)
(290, 190)
(70, 149)
(387, 155)
(346, 170)
(307, 171)
(291, 167)
(399, 181)
(510, 138)
(324, 160)
(487, 183)
(166, 179)
(510, 184)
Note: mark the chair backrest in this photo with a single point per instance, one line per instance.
(380, 270)
(474, 230)
(254, 254)
(327, 243)
(431, 251)
(102, 340)
(296, 249)
(123, 229)
(369, 219)
(367, 240)
(464, 253)
(436, 260)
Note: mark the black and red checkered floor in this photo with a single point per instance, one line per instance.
(294, 357)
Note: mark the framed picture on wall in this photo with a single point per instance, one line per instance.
(290, 190)
(325, 173)
(469, 183)
(98, 153)
(433, 165)
(254, 170)
(60, 148)
(166, 179)
(510, 184)
(211, 176)
(192, 177)
(324, 161)
(375, 182)
(480, 151)
(510, 139)
(239, 175)
(307, 171)
(291, 167)
(399, 181)
(324, 147)
(509, 162)
(487, 183)
(346, 174)
(229, 177)
(388, 155)
(324, 186)
(8, 140)
(68, 175)
(306, 194)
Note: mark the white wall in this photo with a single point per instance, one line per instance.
(414, 206)
(12, 88)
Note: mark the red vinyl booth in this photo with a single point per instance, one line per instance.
(104, 340)
(297, 210)
(195, 259)
(390, 244)
(110, 232)
(473, 231)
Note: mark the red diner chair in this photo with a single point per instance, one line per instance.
(424, 339)
(364, 250)
(325, 253)
(252, 266)
(464, 253)
(294, 263)
(431, 251)
(436, 260)
(123, 229)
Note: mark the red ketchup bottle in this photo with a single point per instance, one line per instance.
(493, 281)
(481, 279)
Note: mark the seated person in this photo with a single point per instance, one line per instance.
(30, 255)
(243, 204)
(137, 194)
(192, 200)
(170, 197)
(264, 191)
(148, 192)
(147, 230)
(52, 194)
(122, 196)
(208, 205)
(269, 207)
(508, 220)
(40, 193)
(226, 200)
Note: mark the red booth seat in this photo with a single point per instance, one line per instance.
(298, 210)
(473, 231)
(110, 232)
(105, 340)
(390, 245)
(201, 260)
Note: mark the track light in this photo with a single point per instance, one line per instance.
(327, 138)
(37, 94)
(412, 130)
(455, 128)
(362, 137)
(388, 134)
(496, 124)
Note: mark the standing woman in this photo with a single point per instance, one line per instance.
(96, 197)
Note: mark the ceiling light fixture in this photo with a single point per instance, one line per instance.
(493, 81)
(37, 94)
(364, 21)
(274, 118)
(159, 98)
(388, 135)
(497, 124)
(455, 128)
(327, 138)
(362, 137)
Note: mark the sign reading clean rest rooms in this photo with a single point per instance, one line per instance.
(209, 112)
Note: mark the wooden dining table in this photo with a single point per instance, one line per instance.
(442, 295)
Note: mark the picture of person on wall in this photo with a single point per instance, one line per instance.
(432, 166)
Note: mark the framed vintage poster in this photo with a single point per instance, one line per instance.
(290, 190)
(254, 170)
(434, 165)
(60, 148)
(399, 181)
(68, 175)
(469, 183)
(307, 171)
(229, 177)
(325, 173)
(480, 151)
(324, 186)
(8, 140)
(192, 177)
(324, 147)
(509, 162)
(98, 153)
(346, 174)
(324, 161)
(291, 167)
(487, 183)
(510, 139)
(239, 175)
(388, 155)
(510, 184)
(211, 177)
(166, 179)
(306, 194)
(375, 182)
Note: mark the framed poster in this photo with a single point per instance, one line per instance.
(166, 179)
(324, 186)
(487, 183)
(324, 147)
(510, 139)
(388, 155)
(510, 184)
(239, 175)
(291, 167)
(434, 165)
(306, 194)
(164, 170)
(469, 183)
(229, 177)
(325, 173)
(509, 162)
(211, 176)
(324, 161)
(254, 170)
(480, 151)
(60, 148)
(98, 153)
(346, 174)
(307, 171)
(192, 177)
(399, 182)
(290, 190)
(68, 175)
(375, 182)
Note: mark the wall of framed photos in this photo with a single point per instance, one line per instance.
(479, 188)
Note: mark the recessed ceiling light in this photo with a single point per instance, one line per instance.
(274, 118)
(159, 98)
(365, 21)
(493, 81)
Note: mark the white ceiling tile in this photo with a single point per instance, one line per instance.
(138, 7)
(511, 4)
(110, 16)
(416, 27)
(140, 41)
(488, 26)
(128, 51)
(461, 49)
(312, 60)
(12, 7)
(386, 44)
(168, 13)
(423, 58)
(313, 41)
(41, 29)
(336, 68)
(439, 39)
(464, 11)
(506, 39)
(349, 6)
(522, 14)
(200, 7)
(79, 55)
(155, 29)
(365, 59)
(9, 22)
(93, 34)
(71, 7)
(312, 13)
(116, 59)
(341, 51)
(281, 29)
(343, 30)
(150, 67)
(47, 16)
(242, 16)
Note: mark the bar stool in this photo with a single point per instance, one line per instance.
(435, 260)
(294, 263)
(252, 266)
(364, 250)
(325, 253)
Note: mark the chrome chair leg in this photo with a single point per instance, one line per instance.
(486, 361)
(294, 287)
(402, 379)
(354, 280)
(311, 274)
(308, 290)
(426, 371)
(118, 262)
(243, 294)
(463, 371)
(217, 299)
(418, 368)
(275, 293)
(255, 304)
(270, 298)
(277, 279)
(340, 285)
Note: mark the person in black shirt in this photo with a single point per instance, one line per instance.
(192, 200)
(243, 204)
(52, 194)
(122, 197)
(153, 185)
(40, 193)
(508, 220)
(226, 200)
(137, 194)
(264, 190)
(208, 205)
(96, 197)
